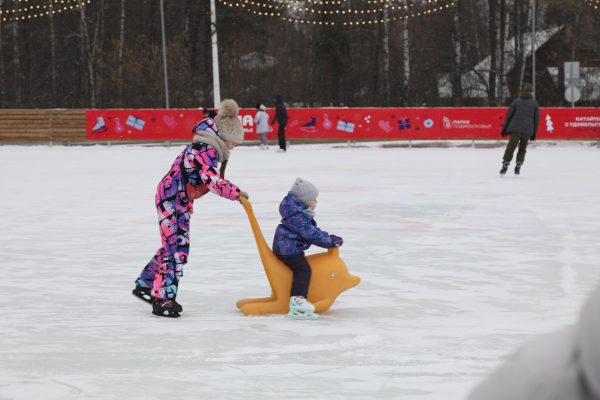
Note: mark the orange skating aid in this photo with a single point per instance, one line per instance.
(329, 278)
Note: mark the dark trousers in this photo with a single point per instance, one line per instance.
(281, 136)
(301, 273)
(516, 139)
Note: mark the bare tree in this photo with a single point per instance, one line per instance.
(458, 53)
(52, 95)
(16, 62)
(502, 51)
(493, 38)
(522, 16)
(88, 58)
(121, 47)
(386, 57)
(2, 70)
(406, 58)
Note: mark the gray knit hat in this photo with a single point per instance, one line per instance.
(304, 191)
(228, 123)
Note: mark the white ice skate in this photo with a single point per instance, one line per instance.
(301, 308)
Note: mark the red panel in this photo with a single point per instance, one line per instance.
(348, 123)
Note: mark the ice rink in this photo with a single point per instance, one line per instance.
(458, 268)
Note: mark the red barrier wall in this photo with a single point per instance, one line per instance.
(347, 123)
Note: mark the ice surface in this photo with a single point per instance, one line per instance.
(458, 267)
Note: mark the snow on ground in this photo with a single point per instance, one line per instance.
(458, 267)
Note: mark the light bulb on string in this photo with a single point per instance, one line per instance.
(300, 14)
(34, 12)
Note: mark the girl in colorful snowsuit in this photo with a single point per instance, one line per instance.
(296, 233)
(195, 167)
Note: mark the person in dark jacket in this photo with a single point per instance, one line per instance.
(521, 124)
(296, 233)
(282, 118)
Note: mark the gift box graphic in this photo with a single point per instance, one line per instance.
(135, 122)
(403, 123)
(345, 126)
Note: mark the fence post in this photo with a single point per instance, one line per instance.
(50, 127)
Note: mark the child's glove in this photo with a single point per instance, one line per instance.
(336, 240)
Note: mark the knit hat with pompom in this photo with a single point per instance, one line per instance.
(228, 123)
(304, 191)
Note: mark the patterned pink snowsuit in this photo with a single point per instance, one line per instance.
(200, 162)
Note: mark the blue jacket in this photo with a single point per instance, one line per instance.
(298, 230)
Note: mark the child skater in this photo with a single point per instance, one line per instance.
(196, 166)
(297, 231)
(261, 120)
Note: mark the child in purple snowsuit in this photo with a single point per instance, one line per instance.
(296, 233)
(197, 166)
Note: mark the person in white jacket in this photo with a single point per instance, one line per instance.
(563, 365)
(261, 120)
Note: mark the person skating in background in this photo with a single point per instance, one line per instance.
(521, 124)
(296, 233)
(261, 120)
(282, 118)
(561, 365)
(195, 166)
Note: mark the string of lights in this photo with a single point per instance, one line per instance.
(393, 5)
(28, 8)
(338, 12)
(28, 12)
(595, 4)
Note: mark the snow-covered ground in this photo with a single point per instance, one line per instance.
(458, 267)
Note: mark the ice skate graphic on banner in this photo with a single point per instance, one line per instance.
(310, 126)
(100, 126)
(135, 122)
(345, 126)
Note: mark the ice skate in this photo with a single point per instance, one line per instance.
(310, 126)
(518, 168)
(166, 308)
(301, 308)
(504, 168)
(142, 293)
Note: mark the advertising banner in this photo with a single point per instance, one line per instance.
(347, 123)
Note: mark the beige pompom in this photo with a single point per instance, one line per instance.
(229, 108)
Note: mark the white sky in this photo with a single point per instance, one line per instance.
(458, 267)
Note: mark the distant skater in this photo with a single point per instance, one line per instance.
(281, 117)
(521, 124)
(261, 120)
